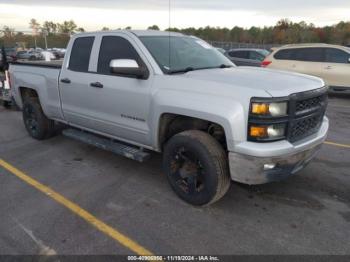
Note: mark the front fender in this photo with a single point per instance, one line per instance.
(226, 112)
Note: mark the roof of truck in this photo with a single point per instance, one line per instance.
(136, 32)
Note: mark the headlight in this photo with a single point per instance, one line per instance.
(267, 132)
(274, 109)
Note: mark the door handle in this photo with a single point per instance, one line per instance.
(328, 67)
(65, 80)
(96, 84)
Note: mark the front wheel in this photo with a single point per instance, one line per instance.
(196, 167)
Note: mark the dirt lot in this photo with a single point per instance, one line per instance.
(306, 214)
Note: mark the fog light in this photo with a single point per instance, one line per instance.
(269, 166)
(276, 131)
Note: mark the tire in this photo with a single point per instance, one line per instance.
(196, 167)
(37, 124)
(6, 104)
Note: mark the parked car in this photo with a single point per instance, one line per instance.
(247, 56)
(11, 52)
(221, 50)
(29, 55)
(59, 52)
(49, 55)
(213, 121)
(10, 57)
(330, 62)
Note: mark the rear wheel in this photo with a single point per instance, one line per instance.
(36, 123)
(6, 104)
(197, 168)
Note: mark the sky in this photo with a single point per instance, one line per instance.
(139, 14)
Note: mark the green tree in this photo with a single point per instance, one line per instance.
(67, 27)
(153, 27)
(81, 30)
(8, 32)
(50, 27)
(35, 26)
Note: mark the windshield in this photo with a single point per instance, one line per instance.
(176, 54)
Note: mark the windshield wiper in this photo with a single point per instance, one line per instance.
(186, 70)
(225, 66)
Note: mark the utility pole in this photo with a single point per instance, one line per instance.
(45, 33)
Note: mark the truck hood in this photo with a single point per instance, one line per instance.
(274, 82)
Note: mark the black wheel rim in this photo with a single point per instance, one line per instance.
(31, 120)
(187, 172)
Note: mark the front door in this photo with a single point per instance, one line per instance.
(337, 68)
(113, 105)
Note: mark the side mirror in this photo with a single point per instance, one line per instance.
(349, 60)
(128, 68)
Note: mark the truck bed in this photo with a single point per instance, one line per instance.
(52, 64)
(41, 76)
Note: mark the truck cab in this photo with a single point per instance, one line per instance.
(177, 95)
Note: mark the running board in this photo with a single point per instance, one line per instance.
(107, 144)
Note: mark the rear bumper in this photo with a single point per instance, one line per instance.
(263, 167)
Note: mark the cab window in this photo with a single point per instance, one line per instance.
(115, 47)
(80, 56)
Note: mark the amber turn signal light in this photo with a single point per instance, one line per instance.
(260, 109)
(258, 131)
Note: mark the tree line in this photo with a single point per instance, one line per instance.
(284, 32)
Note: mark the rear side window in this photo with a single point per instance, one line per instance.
(310, 54)
(80, 56)
(115, 47)
(256, 56)
(239, 54)
(337, 56)
(286, 54)
(301, 54)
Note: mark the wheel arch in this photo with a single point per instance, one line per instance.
(170, 124)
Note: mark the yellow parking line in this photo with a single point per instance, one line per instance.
(91, 219)
(336, 144)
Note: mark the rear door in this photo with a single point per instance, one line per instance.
(337, 67)
(240, 58)
(255, 58)
(74, 84)
(309, 61)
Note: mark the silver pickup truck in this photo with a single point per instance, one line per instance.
(132, 92)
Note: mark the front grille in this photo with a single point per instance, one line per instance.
(308, 104)
(307, 112)
(305, 127)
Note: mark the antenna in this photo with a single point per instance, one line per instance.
(169, 34)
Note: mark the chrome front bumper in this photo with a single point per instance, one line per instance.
(265, 165)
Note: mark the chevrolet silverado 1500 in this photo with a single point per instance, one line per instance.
(132, 92)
